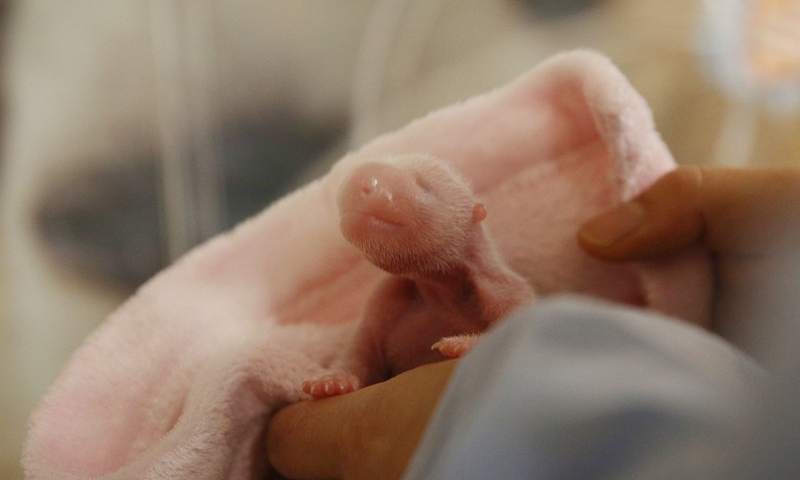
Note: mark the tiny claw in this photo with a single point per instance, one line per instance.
(308, 387)
(457, 346)
(330, 385)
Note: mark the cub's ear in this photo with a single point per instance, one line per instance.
(478, 213)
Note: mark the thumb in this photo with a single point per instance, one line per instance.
(664, 219)
(732, 211)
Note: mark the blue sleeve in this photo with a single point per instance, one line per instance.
(578, 389)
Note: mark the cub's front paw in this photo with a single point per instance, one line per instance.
(456, 346)
(331, 385)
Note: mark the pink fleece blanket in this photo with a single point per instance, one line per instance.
(181, 380)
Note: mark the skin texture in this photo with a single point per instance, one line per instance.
(738, 214)
(747, 218)
(417, 220)
(368, 434)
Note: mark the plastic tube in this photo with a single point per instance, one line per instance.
(193, 200)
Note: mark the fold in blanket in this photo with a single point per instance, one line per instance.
(181, 380)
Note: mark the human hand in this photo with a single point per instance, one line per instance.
(734, 212)
(748, 218)
(370, 433)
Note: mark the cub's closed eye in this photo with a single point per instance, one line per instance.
(424, 183)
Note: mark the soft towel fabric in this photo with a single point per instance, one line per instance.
(180, 381)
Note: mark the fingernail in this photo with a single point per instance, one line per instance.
(614, 226)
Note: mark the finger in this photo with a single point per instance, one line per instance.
(304, 440)
(370, 433)
(391, 424)
(732, 211)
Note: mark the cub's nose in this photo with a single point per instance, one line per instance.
(378, 191)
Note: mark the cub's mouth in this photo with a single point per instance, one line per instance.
(371, 218)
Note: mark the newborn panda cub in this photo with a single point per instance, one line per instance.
(415, 218)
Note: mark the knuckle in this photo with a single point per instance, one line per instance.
(688, 179)
(684, 184)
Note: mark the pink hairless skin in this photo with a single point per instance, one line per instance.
(413, 217)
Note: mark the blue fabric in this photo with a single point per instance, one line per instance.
(572, 388)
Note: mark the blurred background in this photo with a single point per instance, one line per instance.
(131, 130)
